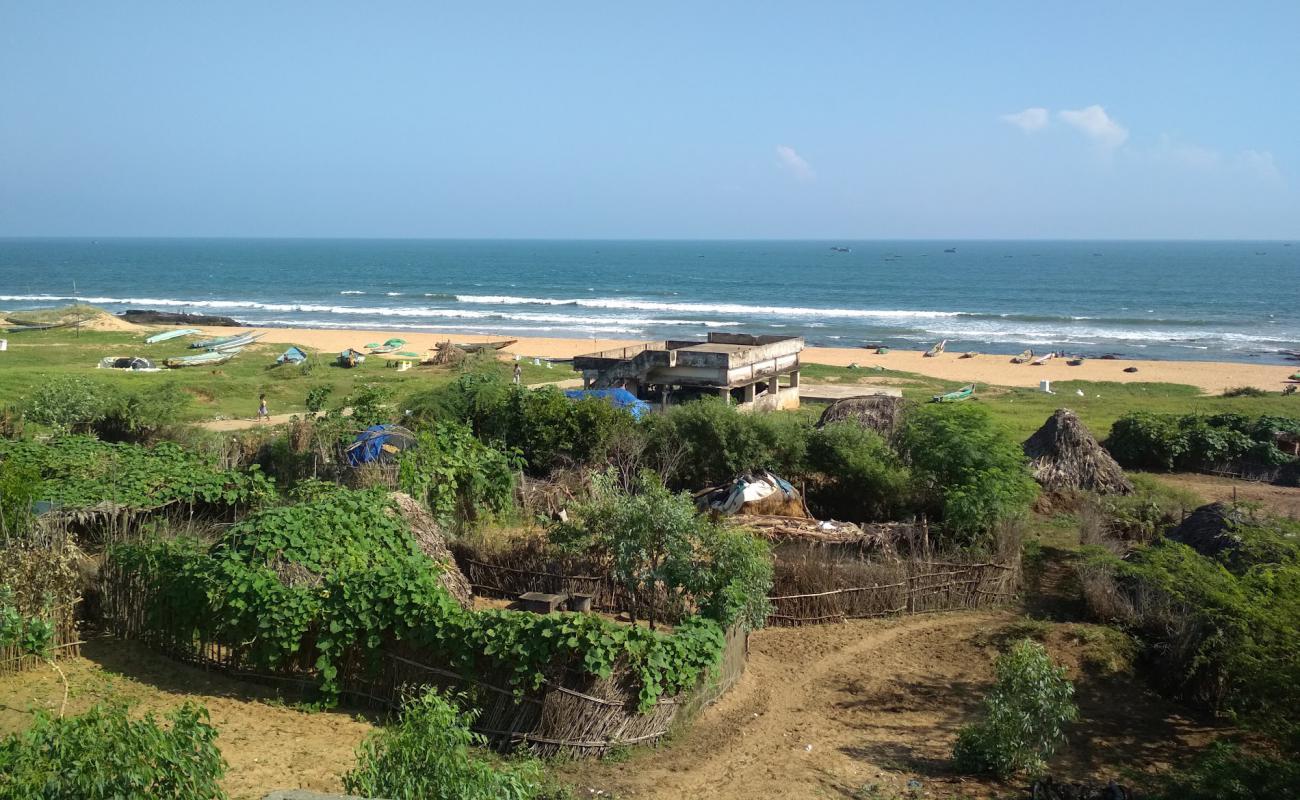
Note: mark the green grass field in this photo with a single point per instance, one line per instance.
(227, 391)
(1023, 410)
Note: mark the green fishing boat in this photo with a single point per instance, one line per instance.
(964, 393)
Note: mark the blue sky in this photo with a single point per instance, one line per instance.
(612, 120)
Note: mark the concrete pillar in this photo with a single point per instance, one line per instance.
(748, 395)
(725, 394)
(794, 379)
(774, 386)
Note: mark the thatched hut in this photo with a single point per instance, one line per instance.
(1209, 529)
(428, 535)
(878, 412)
(1066, 458)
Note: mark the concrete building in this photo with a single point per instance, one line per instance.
(755, 372)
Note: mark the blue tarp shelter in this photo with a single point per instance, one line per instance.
(620, 398)
(294, 355)
(379, 443)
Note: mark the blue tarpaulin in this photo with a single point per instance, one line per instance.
(620, 398)
(378, 443)
(294, 355)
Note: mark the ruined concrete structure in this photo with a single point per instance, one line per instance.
(755, 372)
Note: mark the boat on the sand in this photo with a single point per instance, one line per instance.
(211, 358)
(227, 342)
(968, 354)
(127, 363)
(936, 350)
(481, 347)
(390, 346)
(1041, 360)
(167, 335)
(1023, 358)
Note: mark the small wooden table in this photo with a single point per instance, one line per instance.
(540, 602)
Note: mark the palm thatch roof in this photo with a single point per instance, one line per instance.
(880, 413)
(429, 536)
(1066, 457)
(1209, 530)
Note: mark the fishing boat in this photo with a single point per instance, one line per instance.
(882, 351)
(1041, 360)
(389, 346)
(209, 359)
(1075, 362)
(964, 393)
(969, 354)
(127, 363)
(226, 342)
(21, 328)
(479, 347)
(1023, 358)
(936, 350)
(166, 335)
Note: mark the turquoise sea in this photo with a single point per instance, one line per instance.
(1183, 300)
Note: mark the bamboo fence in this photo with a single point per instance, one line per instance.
(66, 643)
(571, 713)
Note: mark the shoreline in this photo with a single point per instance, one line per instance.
(1211, 377)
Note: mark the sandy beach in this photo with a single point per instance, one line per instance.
(1212, 377)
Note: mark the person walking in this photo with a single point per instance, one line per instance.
(263, 414)
(519, 373)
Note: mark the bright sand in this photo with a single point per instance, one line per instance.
(1211, 377)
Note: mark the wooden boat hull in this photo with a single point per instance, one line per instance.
(168, 335)
(479, 347)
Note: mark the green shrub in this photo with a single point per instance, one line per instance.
(1163, 442)
(1145, 440)
(550, 430)
(1226, 772)
(428, 755)
(1024, 715)
(371, 404)
(856, 475)
(105, 755)
(1152, 508)
(1244, 391)
(20, 486)
(655, 539)
(718, 441)
(139, 416)
(317, 397)
(69, 403)
(456, 474)
(968, 472)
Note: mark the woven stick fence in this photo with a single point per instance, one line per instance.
(572, 713)
(890, 589)
(66, 643)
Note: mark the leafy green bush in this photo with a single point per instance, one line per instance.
(139, 416)
(105, 755)
(1152, 508)
(655, 540)
(317, 396)
(856, 475)
(550, 430)
(79, 472)
(1024, 715)
(968, 472)
(428, 755)
(718, 442)
(1163, 442)
(31, 635)
(371, 404)
(69, 404)
(20, 486)
(339, 578)
(456, 474)
(1226, 772)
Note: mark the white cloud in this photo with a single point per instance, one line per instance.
(794, 163)
(1186, 154)
(1260, 163)
(1096, 124)
(1029, 120)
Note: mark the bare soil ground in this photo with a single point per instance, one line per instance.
(268, 745)
(1281, 500)
(860, 709)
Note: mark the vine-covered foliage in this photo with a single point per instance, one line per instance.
(338, 578)
(718, 442)
(856, 475)
(655, 540)
(1163, 442)
(969, 473)
(104, 755)
(428, 754)
(456, 474)
(30, 634)
(79, 472)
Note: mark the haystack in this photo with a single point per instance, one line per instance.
(428, 535)
(1209, 529)
(1065, 457)
(880, 413)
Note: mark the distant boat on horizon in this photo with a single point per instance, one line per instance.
(842, 249)
(950, 250)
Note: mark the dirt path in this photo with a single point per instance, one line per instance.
(835, 710)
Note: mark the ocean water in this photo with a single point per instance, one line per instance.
(1178, 300)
